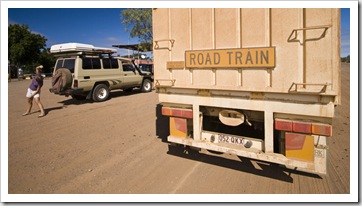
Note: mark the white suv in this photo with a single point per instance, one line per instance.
(87, 72)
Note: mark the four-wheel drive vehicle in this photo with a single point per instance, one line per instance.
(87, 72)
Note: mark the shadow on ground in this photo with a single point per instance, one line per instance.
(113, 94)
(264, 169)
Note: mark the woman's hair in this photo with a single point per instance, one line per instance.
(39, 78)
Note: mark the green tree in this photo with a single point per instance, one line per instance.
(138, 23)
(47, 60)
(345, 59)
(25, 47)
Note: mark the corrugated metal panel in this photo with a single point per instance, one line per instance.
(306, 43)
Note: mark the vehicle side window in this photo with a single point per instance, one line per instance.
(91, 63)
(87, 63)
(114, 63)
(106, 63)
(127, 67)
(96, 63)
(110, 63)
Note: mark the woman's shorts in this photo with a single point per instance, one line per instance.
(31, 92)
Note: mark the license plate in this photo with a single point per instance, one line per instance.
(234, 140)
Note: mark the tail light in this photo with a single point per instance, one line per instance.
(75, 83)
(303, 127)
(177, 112)
(322, 129)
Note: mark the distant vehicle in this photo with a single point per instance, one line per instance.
(87, 72)
(145, 65)
(256, 83)
(20, 74)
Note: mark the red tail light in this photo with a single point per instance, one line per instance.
(303, 127)
(75, 84)
(185, 113)
(322, 129)
(284, 125)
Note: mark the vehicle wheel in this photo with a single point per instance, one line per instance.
(146, 85)
(79, 97)
(61, 80)
(100, 93)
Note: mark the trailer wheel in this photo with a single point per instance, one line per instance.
(100, 93)
(146, 85)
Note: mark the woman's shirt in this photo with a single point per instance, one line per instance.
(35, 84)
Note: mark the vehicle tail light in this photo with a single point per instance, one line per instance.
(284, 125)
(176, 112)
(302, 127)
(322, 129)
(75, 83)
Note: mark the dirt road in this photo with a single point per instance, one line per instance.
(81, 147)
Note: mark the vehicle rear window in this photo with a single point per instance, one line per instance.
(65, 63)
(91, 63)
(59, 64)
(69, 63)
(110, 63)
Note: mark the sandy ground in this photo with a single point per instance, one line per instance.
(114, 147)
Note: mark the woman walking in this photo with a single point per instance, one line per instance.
(33, 92)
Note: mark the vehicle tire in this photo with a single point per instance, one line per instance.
(61, 80)
(79, 97)
(146, 85)
(100, 93)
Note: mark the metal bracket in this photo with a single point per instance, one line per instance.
(158, 82)
(157, 47)
(323, 90)
(293, 37)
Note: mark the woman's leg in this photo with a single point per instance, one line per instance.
(40, 105)
(30, 104)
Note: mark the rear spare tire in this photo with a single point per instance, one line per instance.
(61, 80)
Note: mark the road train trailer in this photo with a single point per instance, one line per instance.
(257, 83)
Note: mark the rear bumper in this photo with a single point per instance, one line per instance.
(67, 92)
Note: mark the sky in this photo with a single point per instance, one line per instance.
(99, 27)
(102, 27)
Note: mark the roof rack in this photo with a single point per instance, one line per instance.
(80, 49)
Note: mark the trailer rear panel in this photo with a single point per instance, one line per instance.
(246, 76)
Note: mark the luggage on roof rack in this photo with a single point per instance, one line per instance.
(78, 47)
